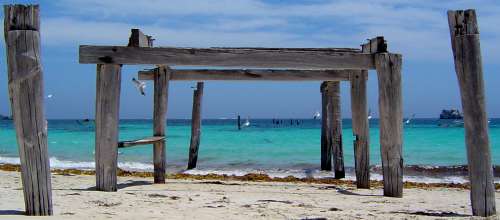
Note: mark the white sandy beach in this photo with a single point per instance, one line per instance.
(138, 198)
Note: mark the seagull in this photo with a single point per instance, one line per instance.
(139, 85)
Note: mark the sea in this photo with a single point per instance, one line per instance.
(433, 152)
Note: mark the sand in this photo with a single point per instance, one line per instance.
(137, 198)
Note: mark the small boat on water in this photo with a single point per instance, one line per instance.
(451, 118)
(369, 114)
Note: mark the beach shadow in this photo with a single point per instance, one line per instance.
(347, 192)
(433, 213)
(11, 212)
(133, 183)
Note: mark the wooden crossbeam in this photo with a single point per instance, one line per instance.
(142, 141)
(307, 58)
(252, 74)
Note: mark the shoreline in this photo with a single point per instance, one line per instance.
(250, 177)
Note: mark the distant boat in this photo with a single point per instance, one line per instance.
(316, 115)
(451, 114)
(247, 123)
(369, 114)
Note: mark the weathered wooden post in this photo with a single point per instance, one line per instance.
(326, 134)
(465, 43)
(22, 39)
(108, 85)
(388, 67)
(336, 129)
(360, 128)
(195, 126)
(161, 84)
(239, 122)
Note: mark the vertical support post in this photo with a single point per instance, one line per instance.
(326, 134)
(25, 76)
(391, 121)
(464, 33)
(336, 130)
(195, 126)
(239, 122)
(360, 128)
(161, 84)
(108, 86)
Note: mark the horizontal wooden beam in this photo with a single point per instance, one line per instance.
(252, 74)
(143, 141)
(308, 58)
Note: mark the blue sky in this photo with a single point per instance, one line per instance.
(417, 29)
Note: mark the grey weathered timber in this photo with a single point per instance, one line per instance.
(195, 126)
(108, 83)
(360, 128)
(326, 127)
(142, 141)
(25, 83)
(138, 39)
(253, 74)
(465, 43)
(258, 58)
(391, 121)
(161, 84)
(375, 45)
(336, 129)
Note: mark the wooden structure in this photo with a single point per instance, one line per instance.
(464, 33)
(195, 126)
(284, 64)
(22, 40)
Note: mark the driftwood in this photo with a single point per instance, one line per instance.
(195, 126)
(142, 141)
(22, 41)
(465, 43)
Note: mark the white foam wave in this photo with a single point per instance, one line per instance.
(86, 165)
(138, 166)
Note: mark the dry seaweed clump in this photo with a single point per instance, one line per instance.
(251, 177)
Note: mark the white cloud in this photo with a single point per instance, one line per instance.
(418, 29)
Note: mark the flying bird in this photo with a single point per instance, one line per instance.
(139, 85)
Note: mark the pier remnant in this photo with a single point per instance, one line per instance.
(160, 103)
(326, 126)
(465, 42)
(336, 130)
(25, 83)
(195, 126)
(281, 64)
(390, 104)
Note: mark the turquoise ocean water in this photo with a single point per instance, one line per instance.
(435, 152)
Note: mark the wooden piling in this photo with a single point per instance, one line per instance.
(108, 85)
(465, 43)
(360, 128)
(195, 126)
(391, 121)
(239, 122)
(25, 81)
(336, 129)
(161, 84)
(326, 128)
